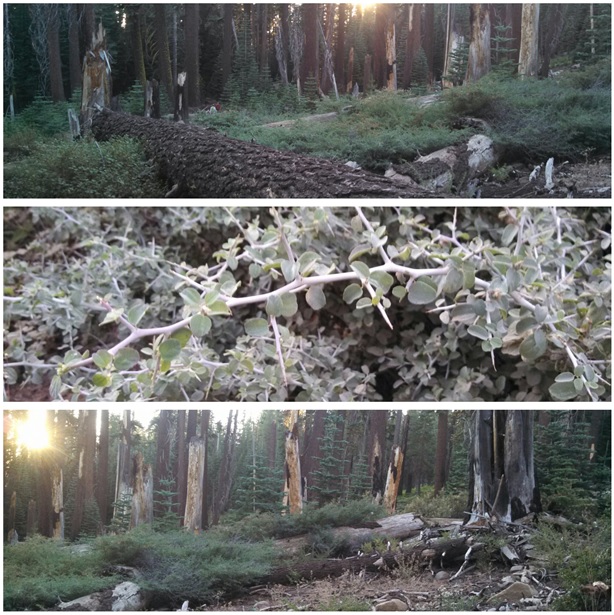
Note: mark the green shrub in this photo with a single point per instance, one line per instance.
(178, 565)
(44, 116)
(444, 504)
(83, 169)
(269, 525)
(533, 120)
(580, 555)
(39, 572)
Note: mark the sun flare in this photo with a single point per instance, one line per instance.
(32, 432)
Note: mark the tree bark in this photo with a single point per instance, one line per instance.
(310, 64)
(292, 485)
(393, 480)
(204, 434)
(228, 10)
(133, 15)
(196, 473)
(163, 474)
(123, 483)
(164, 54)
(502, 476)
(478, 62)
(528, 62)
(553, 29)
(181, 464)
(376, 446)
(74, 54)
(96, 78)
(440, 455)
(192, 42)
(340, 46)
(55, 62)
(57, 502)
(205, 164)
(412, 45)
(444, 552)
(310, 456)
(86, 452)
(142, 493)
(102, 479)
(428, 38)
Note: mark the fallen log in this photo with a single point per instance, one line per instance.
(397, 527)
(443, 552)
(203, 163)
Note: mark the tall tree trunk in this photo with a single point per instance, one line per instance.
(264, 36)
(142, 493)
(454, 39)
(478, 62)
(413, 43)
(428, 39)
(55, 61)
(181, 473)
(208, 164)
(502, 474)
(204, 434)
(326, 32)
(89, 22)
(528, 63)
(192, 52)
(272, 445)
(196, 473)
(340, 46)
(442, 448)
(519, 465)
(391, 55)
(382, 18)
(228, 10)
(164, 54)
(549, 42)
(376, 446)
(74, 53)
(514, 14)
(310, 456)
(393, 480)
(86, 451)
(292, 485)
(133, 17)
(310, 63)
(96, 78)
(123, 478)
(102, 480)
(221, 496)
(163, 474)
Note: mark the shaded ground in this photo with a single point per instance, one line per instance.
(421, 592)
(591, 179)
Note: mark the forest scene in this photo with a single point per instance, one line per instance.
(350, 100)
(317, 510)
(307, 304)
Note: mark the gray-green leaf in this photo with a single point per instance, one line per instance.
(316, 298)
(257, 327)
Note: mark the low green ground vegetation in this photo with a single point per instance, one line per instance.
(568, 117)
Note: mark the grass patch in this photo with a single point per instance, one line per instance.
(39, 572)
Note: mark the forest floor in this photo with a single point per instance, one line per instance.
(357, 592)
(589, 179)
